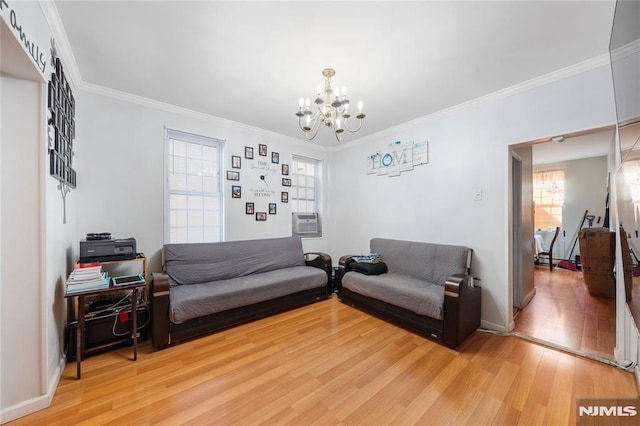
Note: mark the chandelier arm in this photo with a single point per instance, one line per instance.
(354, 130)
(315, 126)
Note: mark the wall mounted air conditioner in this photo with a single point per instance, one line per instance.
(306, 224)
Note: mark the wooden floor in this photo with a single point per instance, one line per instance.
(328, 363)
(563, 312)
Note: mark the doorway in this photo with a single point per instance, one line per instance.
(559, 294)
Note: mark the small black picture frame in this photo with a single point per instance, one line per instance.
(275, 157)
(284, 197)
(285, 169)
(236, 191)
(248, 152)
(286, 182)
(262, 150)
(272, 208)
(261, 216)
(236, 162)
(249, 208)
(233, 175)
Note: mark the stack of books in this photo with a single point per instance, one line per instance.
(87, 276)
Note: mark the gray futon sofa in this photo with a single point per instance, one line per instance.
(205, 287)
(426, 289)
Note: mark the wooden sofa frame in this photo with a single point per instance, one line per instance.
(461, 309)
(164, 332)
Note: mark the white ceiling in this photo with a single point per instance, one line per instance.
(594, 144)
(250, 62)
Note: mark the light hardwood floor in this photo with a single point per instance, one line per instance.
(563, 312)
(328, 363)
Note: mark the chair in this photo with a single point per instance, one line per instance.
(549, 252)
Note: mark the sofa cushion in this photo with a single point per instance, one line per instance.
(401, 290)
(433, 263)
(196, 300)
(197, 263)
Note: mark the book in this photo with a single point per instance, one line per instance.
(87, 268)
(78, 287)
(85, 265)
(82, 278)
(75, 281)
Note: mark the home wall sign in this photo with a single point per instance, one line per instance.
(397, 158)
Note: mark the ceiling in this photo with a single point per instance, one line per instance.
(250, 62)
(592, 144)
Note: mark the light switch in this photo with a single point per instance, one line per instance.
(477, 194)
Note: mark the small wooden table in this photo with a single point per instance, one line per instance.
(111, 289)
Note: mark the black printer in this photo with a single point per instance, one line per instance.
(104, 250)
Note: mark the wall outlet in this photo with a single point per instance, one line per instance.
(477, 194)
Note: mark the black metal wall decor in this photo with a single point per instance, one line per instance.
(62, 106)
(62, 128)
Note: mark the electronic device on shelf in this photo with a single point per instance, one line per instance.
(127, 279)
(104, 250)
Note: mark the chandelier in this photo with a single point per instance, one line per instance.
(332, 110)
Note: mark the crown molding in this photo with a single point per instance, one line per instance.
(71, 67)
(63, 48)
(626, 50)
(572, 70)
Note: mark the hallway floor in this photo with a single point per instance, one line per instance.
(563, 312)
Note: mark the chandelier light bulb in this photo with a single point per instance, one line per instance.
(319, 90)
(344, 91)
(301, 102)
(359, 106)
(337, 92)
(307, 102)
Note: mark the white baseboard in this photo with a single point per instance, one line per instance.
(493, 326)
(528, 298)
(38, 403)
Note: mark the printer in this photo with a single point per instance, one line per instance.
(104, 250)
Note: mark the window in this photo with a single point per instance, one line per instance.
(548, 198)
(304, 196)
(193, 189)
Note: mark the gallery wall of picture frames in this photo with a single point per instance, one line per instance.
(62, 106)
(265, 180)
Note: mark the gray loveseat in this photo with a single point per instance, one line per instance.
(427, 288)
(205, 287)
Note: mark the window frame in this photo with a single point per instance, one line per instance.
(218, 144)
(540, 193)
(295, 200)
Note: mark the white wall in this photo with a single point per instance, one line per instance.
(21, 313)
(35, 245)
(468, 150)
(120, 167)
